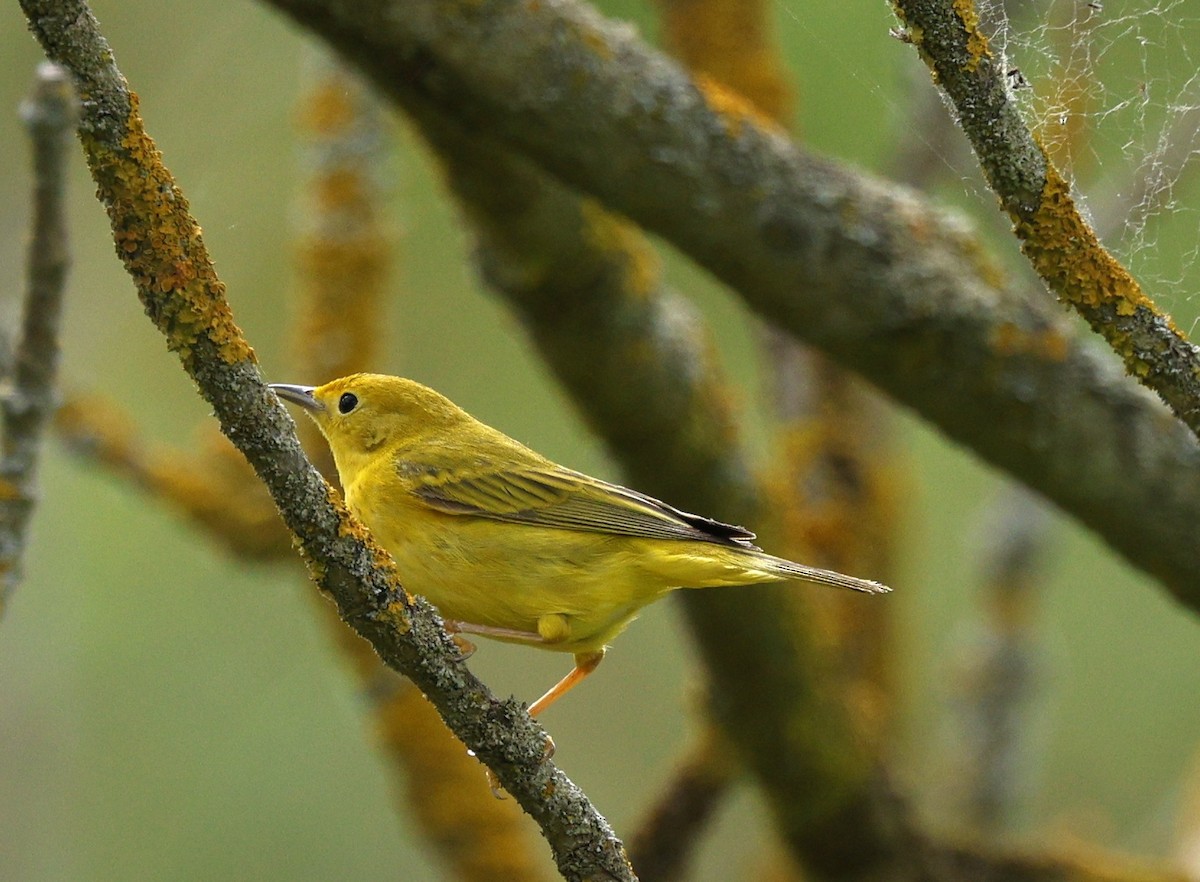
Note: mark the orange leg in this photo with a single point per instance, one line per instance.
(585, 663)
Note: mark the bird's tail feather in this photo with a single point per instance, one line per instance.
(791, 570)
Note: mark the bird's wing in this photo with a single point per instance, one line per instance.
(552, 496)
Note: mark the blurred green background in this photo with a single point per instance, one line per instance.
(168, 712)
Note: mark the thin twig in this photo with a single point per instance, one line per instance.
(888, 286)
(27, 404)
(1060, 244)
(162, 249)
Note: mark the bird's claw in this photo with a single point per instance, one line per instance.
(466, 647)
(494, 784)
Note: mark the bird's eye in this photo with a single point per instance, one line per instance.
(347, 402)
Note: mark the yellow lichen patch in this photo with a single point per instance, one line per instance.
(398, 615)
(161, 245)
(621, 242)
(1067, 255)
(732, 109)
(9, 491)
(327, 109)
(977, 44)
(1046, 344)
(728, 42)
(596, 42)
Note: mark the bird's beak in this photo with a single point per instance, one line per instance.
(301, 395)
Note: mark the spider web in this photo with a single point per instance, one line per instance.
(1112, 88)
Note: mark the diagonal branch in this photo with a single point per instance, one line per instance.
(865, 271)
(1061, 245)
(162, 249)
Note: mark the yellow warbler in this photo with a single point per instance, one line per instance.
(509, 545)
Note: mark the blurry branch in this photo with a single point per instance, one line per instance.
(161, 246)
(996, 671)
(29, 399)
(889, 287)
(1059, 243)
(342, 254)
(213, 488)
(667, 836)
(343, 258)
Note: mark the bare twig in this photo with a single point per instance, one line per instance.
(27, 405)
(1059, 243)
(162, 249)
(890, 288)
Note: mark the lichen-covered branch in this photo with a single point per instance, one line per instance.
(891, 288)
(25, 408)
(1058, 241)
(161, 246)
(636, 362)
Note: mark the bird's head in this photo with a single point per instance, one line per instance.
(364, 413)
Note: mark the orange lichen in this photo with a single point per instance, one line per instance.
(1068, 256)
(622, 243)
(728, 43)
(731, 107)
(977, 43)
(161, 246)
(326, 109)
(1048, 344)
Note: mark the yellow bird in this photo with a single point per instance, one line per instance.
(509, 545)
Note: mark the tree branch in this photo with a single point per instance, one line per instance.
(49, 114)
(162, 249)
(1061, 245)
(827, 253)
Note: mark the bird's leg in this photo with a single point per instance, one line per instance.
(456, 627)
(585, 663)
(466, 648)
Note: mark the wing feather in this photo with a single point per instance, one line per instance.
(550, 496)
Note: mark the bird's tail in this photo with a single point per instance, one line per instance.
(788, 569)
